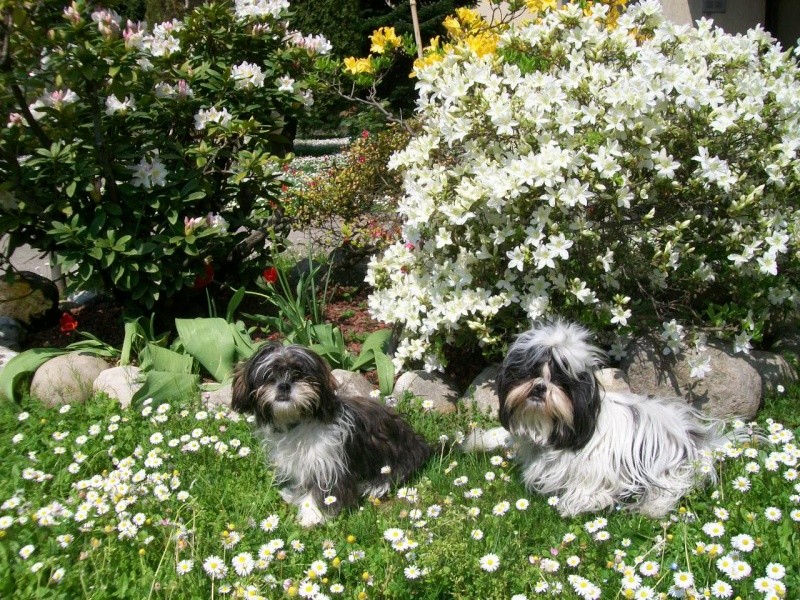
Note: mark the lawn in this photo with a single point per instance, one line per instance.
(167, 501)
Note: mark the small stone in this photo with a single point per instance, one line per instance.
(67, 379)
(428, 386)
(120, 383)
(218, 397)
(482, 393)
(352, 384)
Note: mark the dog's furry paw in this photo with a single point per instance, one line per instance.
(486, 440)
(308, 513)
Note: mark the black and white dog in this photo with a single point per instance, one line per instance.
(328, 449)
(592, 448)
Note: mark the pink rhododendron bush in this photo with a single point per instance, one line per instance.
(631, 175)
(145, 156)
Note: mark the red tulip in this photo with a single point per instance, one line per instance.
(68, 323)
(270, 275)
(203, 280)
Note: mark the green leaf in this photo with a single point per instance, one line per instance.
(234, 304)
(210, 341)
(377, 341)
(166, 387)
(385, 369)
(156, 358)
(15, 375)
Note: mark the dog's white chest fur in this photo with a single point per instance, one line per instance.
(309, 454)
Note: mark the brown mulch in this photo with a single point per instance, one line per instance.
(346, 309)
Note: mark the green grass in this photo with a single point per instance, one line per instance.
(89, 471)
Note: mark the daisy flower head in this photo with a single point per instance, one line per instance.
(501, 508)
(214, 567)
(522, 504)
(721, 589)
(776, 571)
(412, 572)
(721, 513)
(683, 579)
(184, 566)
(476, 534)
(714, 529)
(739, 570)
(573, 561)
(318, 568)
(308, 589)
(741, 484)
(243, 564)
(743, 542)
(393, 534)
(490, 562)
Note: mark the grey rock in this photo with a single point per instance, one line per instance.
(352, 384)
(217, 397)
(732, 389)
(67, 379)
(774, 369)
(612, 380)
(482, 393)
(120, 383)
(29, 298)
(428, 386)
(11, 333)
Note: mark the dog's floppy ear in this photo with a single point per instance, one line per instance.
(501, 384)
(585, 393)
(241, 393)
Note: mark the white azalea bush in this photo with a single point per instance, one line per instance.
(146, 156)
(632, 175)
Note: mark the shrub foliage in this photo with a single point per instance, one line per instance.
(146, 159)
(628, 173)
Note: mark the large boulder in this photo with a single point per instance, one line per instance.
(481, 395)
(29, 298)
(120, 383)
(732, 389)
(352, 384)
(67, 379)
(429, 386)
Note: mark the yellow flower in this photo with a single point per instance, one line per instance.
(539, 6)
(470, 19)
(384, 39)
(453, 27)
(433, 55)
(483, 43)
(355, 66)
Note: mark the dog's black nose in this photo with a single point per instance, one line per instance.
(284, 386)
(539, 389)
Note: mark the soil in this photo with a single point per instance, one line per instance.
(346, 309)
(104, 319)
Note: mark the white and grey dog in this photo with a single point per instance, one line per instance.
(592, 448)
(328, 449)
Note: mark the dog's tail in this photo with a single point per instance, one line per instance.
(486, 440)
